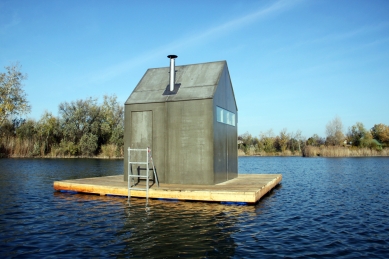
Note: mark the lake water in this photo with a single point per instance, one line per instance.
(323, 208)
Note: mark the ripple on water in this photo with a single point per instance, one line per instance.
(323, 208)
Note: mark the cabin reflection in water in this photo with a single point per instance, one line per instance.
(177, 229)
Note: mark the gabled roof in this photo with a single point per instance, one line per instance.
(197, 81)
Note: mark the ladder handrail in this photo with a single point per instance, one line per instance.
(152, 162)
(131, 176)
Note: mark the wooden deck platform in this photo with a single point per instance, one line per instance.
(248, 188)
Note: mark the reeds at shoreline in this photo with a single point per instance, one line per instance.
(323, 151)
(263, 153)
(339, 151)
(18, 148)
(14, 147)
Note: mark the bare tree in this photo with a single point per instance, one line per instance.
(295, 141)
(334, 132)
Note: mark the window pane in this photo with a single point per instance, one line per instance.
(225, 116)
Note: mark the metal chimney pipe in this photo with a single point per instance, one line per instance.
(172, 72)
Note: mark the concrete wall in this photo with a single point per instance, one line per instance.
(180, 135)
(225, 136)
(138, 135)
(190, 136)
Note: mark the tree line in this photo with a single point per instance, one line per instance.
(357, 141)
(83, 127)
(89, 128)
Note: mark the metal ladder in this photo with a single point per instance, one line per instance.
(132, 176)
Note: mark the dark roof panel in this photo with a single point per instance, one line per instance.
(198, 81)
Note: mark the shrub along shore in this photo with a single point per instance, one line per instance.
(13, 147)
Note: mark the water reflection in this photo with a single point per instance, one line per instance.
(166, 229)
(323, 208)
(181, 229)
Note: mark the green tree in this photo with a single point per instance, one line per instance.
(315, 140)
(7, 129)
(112, 126)
(88, 144)
(356, 133)
(68, 148)
(27, 130)
(79, 118)
(368, 141)
(13, 101)
(267, 141)
(283, 140)
(247, 142)
(359, 136)
(48, 131)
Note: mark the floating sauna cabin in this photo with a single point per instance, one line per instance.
(188, 116)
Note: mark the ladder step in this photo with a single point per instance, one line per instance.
(142, 163)
(138, 189)
(147, 177)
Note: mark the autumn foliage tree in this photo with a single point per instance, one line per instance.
(380, 132)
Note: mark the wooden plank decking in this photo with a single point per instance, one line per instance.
(247, 188)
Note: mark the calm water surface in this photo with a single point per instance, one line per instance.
(324, 208)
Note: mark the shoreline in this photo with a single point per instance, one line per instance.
(324, 151)
(65, 157)
(121, 158)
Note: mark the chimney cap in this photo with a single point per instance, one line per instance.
(172, 56)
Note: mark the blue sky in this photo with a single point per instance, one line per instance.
(293, 64)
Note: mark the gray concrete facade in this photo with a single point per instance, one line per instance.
(190, 143)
